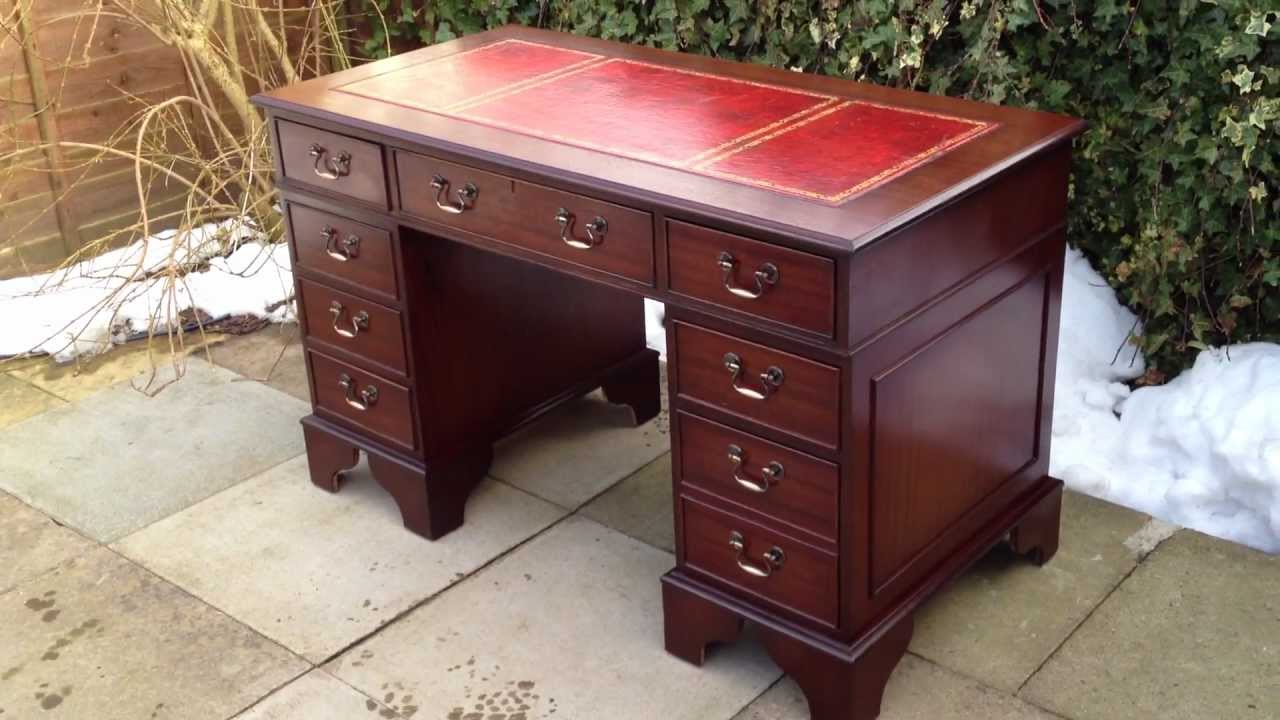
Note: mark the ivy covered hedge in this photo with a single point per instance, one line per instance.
(1176, 187)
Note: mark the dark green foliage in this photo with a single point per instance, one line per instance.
(1176, 190)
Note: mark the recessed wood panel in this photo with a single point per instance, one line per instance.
(952, 421)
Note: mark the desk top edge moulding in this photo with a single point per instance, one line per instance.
(793, 167)
(862, 286)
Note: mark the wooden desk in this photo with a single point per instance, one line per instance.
(862, 290)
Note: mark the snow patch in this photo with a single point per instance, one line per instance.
(86, 308)
(1202, 450)
(1149, 536)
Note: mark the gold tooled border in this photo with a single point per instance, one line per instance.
(351, 88)
(702, 162)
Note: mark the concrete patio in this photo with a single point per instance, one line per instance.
(166, 557)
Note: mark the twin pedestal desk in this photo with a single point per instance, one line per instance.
(862, 289)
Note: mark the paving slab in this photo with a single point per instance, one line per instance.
(567, 626)
(1000, 621)
(31, 543)
(102, 638)
(320, 696)
(316, 571)
(119, 460)
(1194, 633)
(918, 690)
(272, 355)
(83, 377)
(20, 400)
(640, 505)
(578, 450)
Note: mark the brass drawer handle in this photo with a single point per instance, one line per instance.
(466, 195)
(368, 396)
(772, 472)
(596, 230)
(766, 277)
(333, 167)
(349, 249)
(773, 557)
(770, 379)
(359, 321)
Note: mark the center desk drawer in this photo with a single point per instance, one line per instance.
(795, 575)
(769, 281)
(577, 229)
(786, 485)
(362, 399)
(783, 391)
(355, 325)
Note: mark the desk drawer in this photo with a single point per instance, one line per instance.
(332, 162)
(788, 486)
(760, 561)
(365, 400)
(345, 249)
(352, 324)
(573, 228)
(781, 390)
(768, 281)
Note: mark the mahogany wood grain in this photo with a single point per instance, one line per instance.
(525, 214)
(973, 447)
(390, 416)
(378, 332)
(806, 496)
(803, 295)
(801, 405)
(364, 178)
(371, 268)
(806, 582)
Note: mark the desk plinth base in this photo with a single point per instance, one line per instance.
(841, 681)
(431, 496)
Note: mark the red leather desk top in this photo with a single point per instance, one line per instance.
(830, 165)
(815, 145)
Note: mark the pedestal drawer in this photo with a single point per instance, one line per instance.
(353, 324)
(365, 400)
(353, 252)
(788, 486)
(784, 391)
(760, 561)
(573, 228)
(787, 286)
(332, 162)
